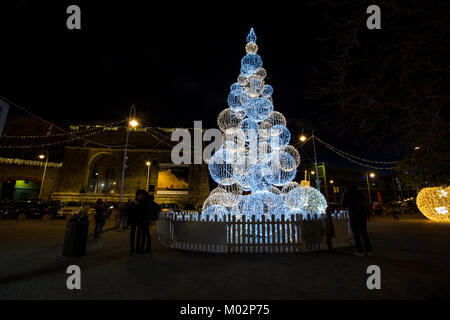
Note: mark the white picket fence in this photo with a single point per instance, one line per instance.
(185, 230)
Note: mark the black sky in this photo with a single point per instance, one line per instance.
(174, 62)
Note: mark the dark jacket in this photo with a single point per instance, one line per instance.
(353, 199)
(139, 212)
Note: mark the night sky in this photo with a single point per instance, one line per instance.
(174, 62)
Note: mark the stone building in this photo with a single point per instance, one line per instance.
(90, 166)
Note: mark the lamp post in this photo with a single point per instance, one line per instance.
(42, 156)
(315, 162)
(132, 122)
(148, 163)
(372, 175)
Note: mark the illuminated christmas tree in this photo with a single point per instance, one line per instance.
(255, 165)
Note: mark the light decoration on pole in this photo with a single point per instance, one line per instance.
(434, 203)
(255, 166)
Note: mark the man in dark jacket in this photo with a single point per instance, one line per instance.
(353, 200)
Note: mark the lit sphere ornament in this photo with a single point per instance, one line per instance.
(290, 150)
(236, 86)
(261, 73)
(250, 63)
(268, 91)
(279, 137)
(297, 198)
(281, 177)
(290, 186)
(216, 198)
(229, 118)
(251, 47)
(315, 203)
(274, 190)
(250, 128)
(233, 139)
(238, 99)
(214, 211)
(259, 109)
(233, 191)
(276, 118)
(242, 80)
(260, 177)
(221, 165)
(254, 87)
(434, 203)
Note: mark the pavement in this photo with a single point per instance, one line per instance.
(413, 255)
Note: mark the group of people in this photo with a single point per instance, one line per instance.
(136, 216)
(141, 212)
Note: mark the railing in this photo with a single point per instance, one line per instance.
(185, 230)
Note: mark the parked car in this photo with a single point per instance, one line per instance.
(74, 207)
(166, 207)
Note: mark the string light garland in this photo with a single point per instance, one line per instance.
(96, 127)
(15, 161)
(349, 155)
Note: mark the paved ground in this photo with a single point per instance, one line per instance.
(413, 254)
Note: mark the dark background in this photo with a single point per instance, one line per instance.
(175, 62)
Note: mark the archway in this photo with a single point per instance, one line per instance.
(104, 174)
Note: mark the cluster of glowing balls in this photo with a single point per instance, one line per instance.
(255, 157)
(434, 203)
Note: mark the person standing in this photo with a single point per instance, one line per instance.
(100, 212)
(143, 232)
(328, 227)
(353, 200)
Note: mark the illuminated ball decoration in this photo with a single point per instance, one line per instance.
(229, 118)
(255, 165)
(250, 63)
(254, 87)
(251, 47)
(434, 203)
(238, 99)
(221, 165)
(315, 203)
(258, 109)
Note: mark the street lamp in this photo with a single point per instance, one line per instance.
(148, 163)
(132, 122)
(42, 156)
(331, 181)
(372, 175)
(302, 138)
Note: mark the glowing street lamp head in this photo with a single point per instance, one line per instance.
(147, 163)
(331, 181)
(41, 156)
(372, 175)
(133, 123)
(302, 138)
(416, 148)
(313, 172)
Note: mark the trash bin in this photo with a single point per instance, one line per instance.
(75, 238)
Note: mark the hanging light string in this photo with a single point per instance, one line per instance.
(354, 161)
(59, 128)
(80, 132)
(351, 156)
(49, 143)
